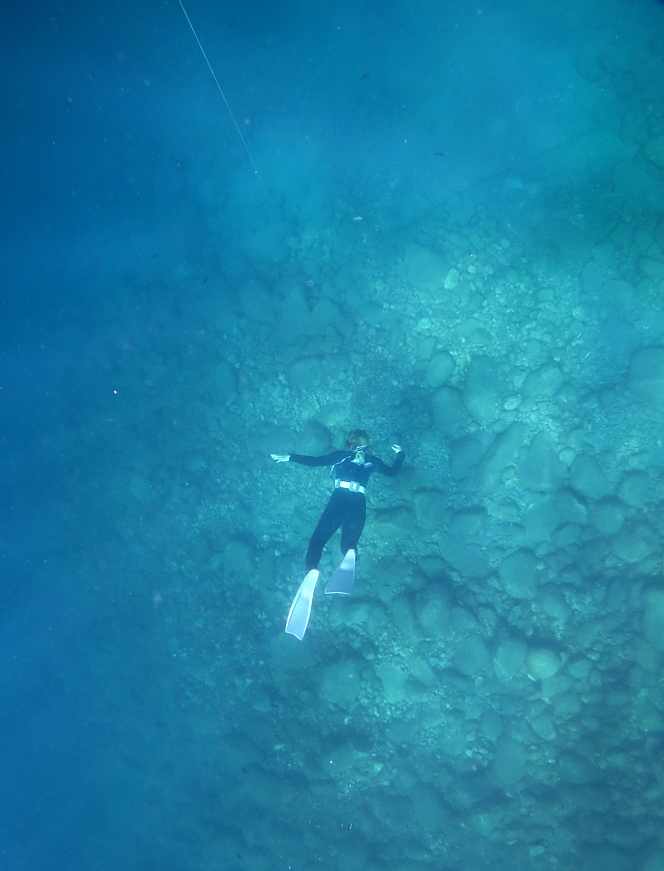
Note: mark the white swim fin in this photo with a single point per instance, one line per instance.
(344, 577)
(300, 610)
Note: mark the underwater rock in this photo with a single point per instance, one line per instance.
(575, 769)
(541, 469)
(653, 620)
(403, 618)
(492, 726)
(540, 519)
(423, 268)
(635, 541)
(486, 821)
(272, 242)
(225, 378)
(501, 454)
(592, 278)
(393, 679)
(395, 524)
(659, 233)
(429, 812)
(420, 669)
(426, 347)
(571, 507)
(325, 315)
(467, 451)
(553, 604)
(469, 524)
(509, 659)
(482, 389)
(452, 279)
(341, 683)
(472, 658)
(447, 409)
(587, 66)
(655, 862)
(439, 370)
(646, 373)
(294, 316)
(239, 558)
(542, 663)
(543, 726)
(543, 382)
(306, 373)
(617, 296)
(633, 488)
(518, 572)
(141, 489)
(607, 515)
(468, 558)
(453, 739)
(654, 150)
(255, 302)
(314, 440)
(509, 762)
(588, 479)
(430, 508)
(651, 267)
(566, 535)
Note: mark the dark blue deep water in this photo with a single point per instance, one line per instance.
(440, 222)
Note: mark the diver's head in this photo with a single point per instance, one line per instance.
(358, 440)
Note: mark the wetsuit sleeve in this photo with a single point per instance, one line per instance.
(327, 460)
(392, 470)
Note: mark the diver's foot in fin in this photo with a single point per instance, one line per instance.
(300, 610)
(342, 580)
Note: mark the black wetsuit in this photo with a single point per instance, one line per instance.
(346, 509)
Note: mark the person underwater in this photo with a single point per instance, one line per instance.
(347, 508)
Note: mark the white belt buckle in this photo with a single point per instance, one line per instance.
(353, 486)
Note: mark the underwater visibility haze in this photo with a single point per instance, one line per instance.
(439, 222)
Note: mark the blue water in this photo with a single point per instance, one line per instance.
(169, 317)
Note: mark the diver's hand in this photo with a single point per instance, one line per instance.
(397, 449)
(280, 458)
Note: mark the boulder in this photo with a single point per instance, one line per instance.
(439, 369)
(541, 662)
(646, 374)
(341, 683)
(654, 150)
(543, 382)
(588, 479)
(509, 659)
(483, 389)
(518, 572)
(541, 469)
(502, 453)
(635, 540)
(447, 410)
(653, 619)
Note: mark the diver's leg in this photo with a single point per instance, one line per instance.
(329, 522)
(351, 529)
(353, 523)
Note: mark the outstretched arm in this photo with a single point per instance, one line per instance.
(304, 460)
(392, 470)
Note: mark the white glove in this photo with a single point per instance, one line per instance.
(280, 458)
(397, 449)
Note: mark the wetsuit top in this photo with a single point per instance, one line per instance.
(344, 469)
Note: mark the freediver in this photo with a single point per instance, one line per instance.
(347, 508)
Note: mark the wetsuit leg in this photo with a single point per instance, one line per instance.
(353, 522)
(330, 520)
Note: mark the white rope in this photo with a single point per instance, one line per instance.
(230, 112)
